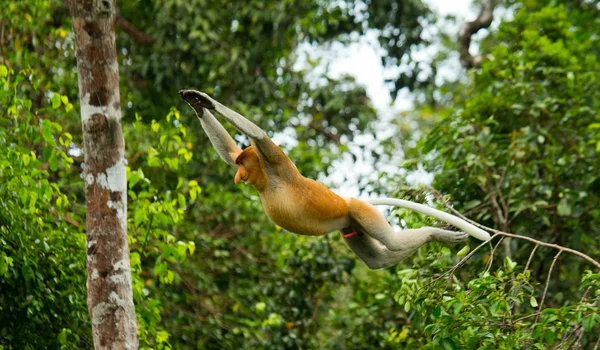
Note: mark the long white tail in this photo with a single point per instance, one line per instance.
(451, 219)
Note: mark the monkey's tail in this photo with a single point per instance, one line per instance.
(451, 219)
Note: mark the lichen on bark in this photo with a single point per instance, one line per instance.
(110, 300)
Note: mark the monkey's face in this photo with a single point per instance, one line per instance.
(250, 169)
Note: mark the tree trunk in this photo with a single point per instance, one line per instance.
(110, 299)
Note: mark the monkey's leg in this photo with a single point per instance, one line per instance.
(218, 136)
(406, 241)
(373, 253)
(270, 150)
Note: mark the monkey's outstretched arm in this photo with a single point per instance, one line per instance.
(218, 136)
(267, 148)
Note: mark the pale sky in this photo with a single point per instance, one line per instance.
(362, 60)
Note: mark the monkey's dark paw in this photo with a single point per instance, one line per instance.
(197, 99)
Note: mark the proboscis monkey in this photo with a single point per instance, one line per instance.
(306, 207)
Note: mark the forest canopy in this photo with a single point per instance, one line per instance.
(512, 143)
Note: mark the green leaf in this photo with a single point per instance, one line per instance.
(181, 200)
(437, 311)
(3, 264)
(464, 251)
(47, 131)
(536, 332)
(472, 204)
(139, 216)
(260, 306)
(589, 322)
(53, 161)
(550, 336)
(449, 344)
(62, 336)
(3, 71)
(533, 301)
(541, 139)
(564, 209)
(509, 264)
(55, 100)
(162, 336)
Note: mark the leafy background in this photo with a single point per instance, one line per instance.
(514, 145)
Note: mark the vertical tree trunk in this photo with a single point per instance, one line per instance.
(110, 300)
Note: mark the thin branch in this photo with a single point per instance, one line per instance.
(555, 246)
(491, 261)
(579, 333)
(547, 283)
(133, 32)
(568, 335)
(322, 131)
(514, 304)
(463, 260)
(524, 318)
(468, 30)
(210, 310)
(567, 340)
(3, 60)
(438, 195)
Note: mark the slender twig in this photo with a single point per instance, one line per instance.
(133, 32)
(491, 260)
(555, 246)
(579, 336)
(210, 310)
(2, 58)
(246, 253)
(568, 335)
(463, 260)
(547, 283)
(149, 229)
(524, 272)
(524, 317)
(512, 235)
(567, 339)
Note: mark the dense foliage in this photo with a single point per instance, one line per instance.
(515, 146)
(519, 151)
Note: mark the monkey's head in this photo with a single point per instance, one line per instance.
(250, 169)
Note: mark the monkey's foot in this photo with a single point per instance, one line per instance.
(449, 237)
(197, 100)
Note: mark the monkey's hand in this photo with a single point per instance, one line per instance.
(197, 100)
(449, 237)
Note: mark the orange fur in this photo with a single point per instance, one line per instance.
(304, 206)
(290, 200)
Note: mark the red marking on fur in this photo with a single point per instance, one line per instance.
(350, 235)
